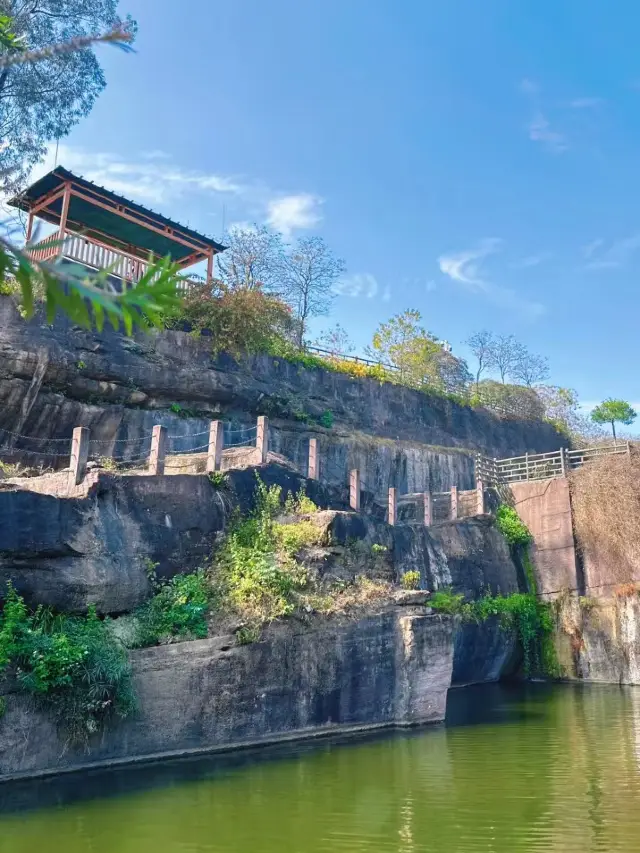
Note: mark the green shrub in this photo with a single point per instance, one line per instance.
(298, 504)
(410, 580)
(178, 609)
(71, 665)
(3, 707)
(326, 419)
(514, 530)
(522, 612)
(218, 479)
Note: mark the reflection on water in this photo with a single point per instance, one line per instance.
(516, 769)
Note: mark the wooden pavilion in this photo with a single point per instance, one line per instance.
(102, 230)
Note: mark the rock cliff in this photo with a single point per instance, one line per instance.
(53, 378)
(387, 669)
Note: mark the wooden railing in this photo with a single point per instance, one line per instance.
(90, 253)
(543, 466)
(98, 256)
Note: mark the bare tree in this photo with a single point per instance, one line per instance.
(506, 354)
(482, 345)
(307, 274)
(335, 340)
(253, 259)
(531, 369)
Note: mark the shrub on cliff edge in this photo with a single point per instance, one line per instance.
(70, 665)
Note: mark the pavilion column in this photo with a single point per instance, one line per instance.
(210, 268)
(29, 227)
(66, 198)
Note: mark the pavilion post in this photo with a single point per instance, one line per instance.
(66, 198)
(29, 227)
(210, 268)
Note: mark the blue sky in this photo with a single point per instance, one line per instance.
(476, 159)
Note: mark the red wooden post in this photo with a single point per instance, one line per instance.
(354, 490)
(29, 227)
(66, 198)
(454, 502)
(216, 444)
(393, 506)
(262, 439)
(314, 466)
(210, 267)
(158, 450)
(428, 510)
(79, 457)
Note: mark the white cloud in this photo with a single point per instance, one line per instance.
(151, 178)
(586, 103)
(529, 87)
(617, 255)
(294, 212)
(386, 294)
(531, 261)
(356, 285)
(541, 131)
(465, 267)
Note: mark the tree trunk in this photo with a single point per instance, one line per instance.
(613, 427)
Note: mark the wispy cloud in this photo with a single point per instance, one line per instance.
(153, 178)
(618, 254)
(466, 268)
(541, 131)
(586, 103)
(294, 212)
(431, 285)
(531, 261)
(539, 127)
(357, 285)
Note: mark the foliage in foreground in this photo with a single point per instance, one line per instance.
(523, 612)
(71, 665)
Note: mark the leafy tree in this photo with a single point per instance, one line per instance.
(531, 369)
(41, 101)
(418, 355)
(307, 274)
(482, 346)
(406, 345)
(612, 412)
(252, 260)
(86, 299)
(506, 354)
(335, 341)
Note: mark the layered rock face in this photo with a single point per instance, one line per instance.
(55, 378)
(389, 668)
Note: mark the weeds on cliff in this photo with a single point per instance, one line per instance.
(605, 502)
(514, 530)
(257, 573)
(410, 580)
(179, 609)
(70, 665)
(523, 612)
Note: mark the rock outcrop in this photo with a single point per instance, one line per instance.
(387, 669)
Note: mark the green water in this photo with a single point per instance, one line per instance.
(537, 769)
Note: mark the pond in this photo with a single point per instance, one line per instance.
(535, 768)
